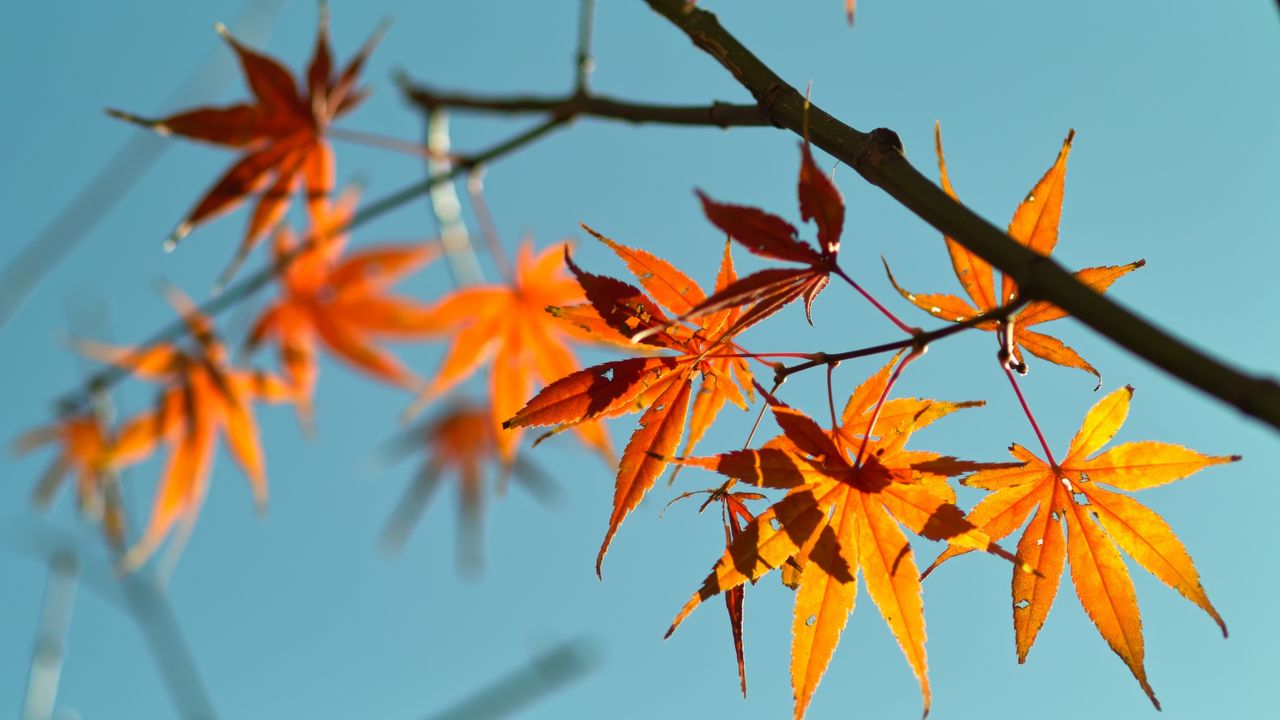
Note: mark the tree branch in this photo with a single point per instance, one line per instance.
(878, 157)
(716, 114)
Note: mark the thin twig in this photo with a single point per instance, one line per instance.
(717, 114)
(583, 62)
(916, 352)
(480, 207)
(879, 158)
(403, 147)
(919, 340)
(876, 303)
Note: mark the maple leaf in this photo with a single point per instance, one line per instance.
(1035, 226)
(1097, 521)
(661, 386)
(847, 493)
(281, 132)
(736, 517)
(341, 301)
(95, 455)
(201, 394)
(769, 236)
(462, 440)
(509, 324)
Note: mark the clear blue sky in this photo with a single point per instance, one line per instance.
(299, 613)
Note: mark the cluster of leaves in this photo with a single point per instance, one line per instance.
(836, 498)
(851, 488)
(330, 298)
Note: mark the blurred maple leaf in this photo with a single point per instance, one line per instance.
(341, 300)
(1097, 521)
(201, 393)
(1034, 225)
(461, 440)
(510, 324)
(282, 134)
(95, 455)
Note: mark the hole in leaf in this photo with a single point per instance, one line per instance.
(1022, 605)
(811, 620)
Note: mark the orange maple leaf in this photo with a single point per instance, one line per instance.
(341, 301)
(462, 439)
(201, 394)
(95, 455)
(282, 134)
(509, 323)
(661, 386)
(1097, 521)
(1034, 225)
(847, 492)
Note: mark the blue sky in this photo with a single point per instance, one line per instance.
(300, 614)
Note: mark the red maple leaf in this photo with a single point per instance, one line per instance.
(281, 133)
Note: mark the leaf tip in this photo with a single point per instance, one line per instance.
(1094, 372)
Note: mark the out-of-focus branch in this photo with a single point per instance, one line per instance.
(51, 637)
(135, 594)
(582, 60)
(543, 674)
(445, 207)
